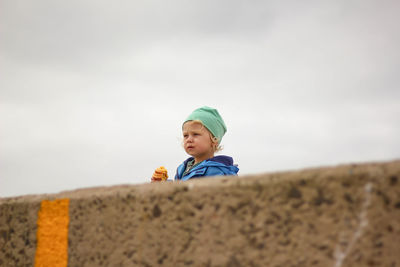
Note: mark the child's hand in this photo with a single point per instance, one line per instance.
(160, 175)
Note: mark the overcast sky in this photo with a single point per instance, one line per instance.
(94, 93)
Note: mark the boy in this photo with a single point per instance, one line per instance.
(202, 134)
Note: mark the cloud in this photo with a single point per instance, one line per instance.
(94, 93)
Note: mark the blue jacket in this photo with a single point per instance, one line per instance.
(219, 165)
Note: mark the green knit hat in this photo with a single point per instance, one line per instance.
(210, 119)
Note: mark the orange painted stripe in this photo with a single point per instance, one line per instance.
(52, 234)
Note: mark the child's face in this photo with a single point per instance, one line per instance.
(197, 141)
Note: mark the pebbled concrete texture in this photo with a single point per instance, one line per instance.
(18, 218)
(346, 215)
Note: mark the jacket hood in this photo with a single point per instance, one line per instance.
(226, 160)
(223, 159)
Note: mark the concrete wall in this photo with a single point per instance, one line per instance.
(337, 216)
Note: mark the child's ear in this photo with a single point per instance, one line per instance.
(215, 142)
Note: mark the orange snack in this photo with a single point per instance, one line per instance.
(160, 175)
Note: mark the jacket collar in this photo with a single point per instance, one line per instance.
(215, 161)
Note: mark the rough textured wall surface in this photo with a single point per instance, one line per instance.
(347, 215)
